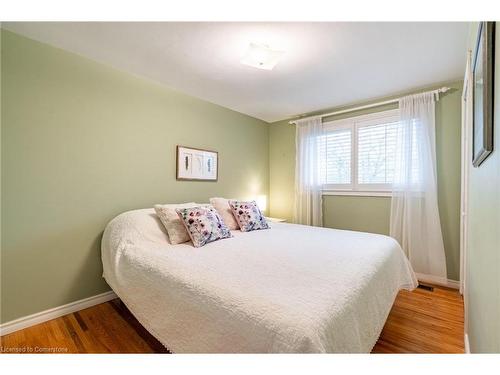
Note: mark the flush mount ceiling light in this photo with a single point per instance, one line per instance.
(261, 56)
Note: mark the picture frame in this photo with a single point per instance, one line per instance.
(483, 89)
(196, 164)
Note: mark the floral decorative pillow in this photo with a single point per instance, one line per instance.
(203, 224)
(248, 216)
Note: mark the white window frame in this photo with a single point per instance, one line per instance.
(355, 123)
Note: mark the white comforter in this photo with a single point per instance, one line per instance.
(291, 288)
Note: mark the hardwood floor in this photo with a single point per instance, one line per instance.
(420, 322)
(424, 322)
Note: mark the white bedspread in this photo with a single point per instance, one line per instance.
(291, 288)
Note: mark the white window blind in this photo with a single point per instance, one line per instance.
(360, 152)
(337, 144)
(376, 153)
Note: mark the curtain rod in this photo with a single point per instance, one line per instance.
(395, 100)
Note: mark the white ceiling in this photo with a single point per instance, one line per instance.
(325, 65)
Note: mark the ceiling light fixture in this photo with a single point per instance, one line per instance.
(261, 56)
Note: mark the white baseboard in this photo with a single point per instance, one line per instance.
(438, 281)
(56, 312)
(466, 344)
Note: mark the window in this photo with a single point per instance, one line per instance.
(360, 152)
(336, 145)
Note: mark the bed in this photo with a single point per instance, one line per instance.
(288, 289)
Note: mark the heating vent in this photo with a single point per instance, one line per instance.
(426, 287)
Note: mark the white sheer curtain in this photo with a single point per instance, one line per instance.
(308, 177)
(415, 220)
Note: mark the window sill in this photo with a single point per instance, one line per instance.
(358, 193)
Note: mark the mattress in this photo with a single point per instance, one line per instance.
(288, 289)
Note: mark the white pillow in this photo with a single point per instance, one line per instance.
(177, 232)
(224, 209)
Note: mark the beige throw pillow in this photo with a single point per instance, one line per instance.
(176, 230)
(224, 209)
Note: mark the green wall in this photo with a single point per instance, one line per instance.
(365, 214)
(81, 143)
(371, 214)
(483, 250)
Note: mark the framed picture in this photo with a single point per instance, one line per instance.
(194, 164)
(483, 71)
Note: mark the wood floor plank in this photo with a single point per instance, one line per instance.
(103, 328)
(420, 321)
(80, 321)
(424, 321)
(75, 337)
